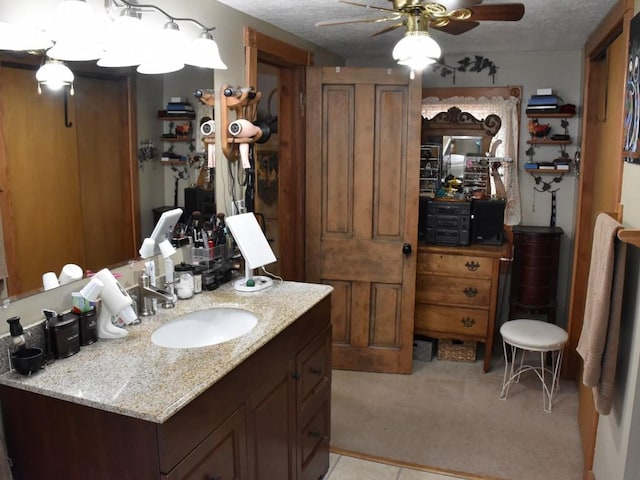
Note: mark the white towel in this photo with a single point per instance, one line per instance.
(598, 344)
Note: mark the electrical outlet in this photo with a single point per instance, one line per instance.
(238, 207)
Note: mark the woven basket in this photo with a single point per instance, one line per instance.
(457, 350)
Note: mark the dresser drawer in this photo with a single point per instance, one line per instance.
(458, 265)
(451, 320)
(473, 292)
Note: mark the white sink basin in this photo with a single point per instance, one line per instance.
(204, 328)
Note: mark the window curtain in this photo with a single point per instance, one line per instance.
(507, 110)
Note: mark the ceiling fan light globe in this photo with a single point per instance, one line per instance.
(54, 74)
(416, 50)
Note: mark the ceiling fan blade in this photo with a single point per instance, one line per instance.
(457, 27)
(328, 23)
(506, 12)
(388, 29)
(364, 5)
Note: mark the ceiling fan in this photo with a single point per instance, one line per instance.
(451, 16)
(417, 48)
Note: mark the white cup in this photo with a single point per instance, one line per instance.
(70, 273)
(50, 280)
(148, 248)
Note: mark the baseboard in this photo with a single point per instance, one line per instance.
(411, 466)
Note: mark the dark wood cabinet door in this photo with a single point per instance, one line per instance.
(221, 456)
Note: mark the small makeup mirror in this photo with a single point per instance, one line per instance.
(255, 250)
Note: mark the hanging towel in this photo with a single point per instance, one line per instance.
(598, 343)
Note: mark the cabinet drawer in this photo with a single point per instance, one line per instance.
(451, 320)
(314, 442)
(458, 265)
(222, 454)
(473, 292)
(313, 368)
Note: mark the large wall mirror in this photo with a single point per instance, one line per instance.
(463, 143)
(463, 125)
(69, 170)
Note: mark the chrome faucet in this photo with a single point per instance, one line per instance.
(147, 293)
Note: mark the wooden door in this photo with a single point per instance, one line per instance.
(599, 189)
(363, 145)
(107, 170)
(41, 212)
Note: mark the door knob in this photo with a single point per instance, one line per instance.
(406, 249)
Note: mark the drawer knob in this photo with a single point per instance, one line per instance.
(315, 371)
(470, 292)
(468, 322)
(472, 266)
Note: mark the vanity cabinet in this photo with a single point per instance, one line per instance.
(456, 293)
(266, 419)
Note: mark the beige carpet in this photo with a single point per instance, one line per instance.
(447, 416)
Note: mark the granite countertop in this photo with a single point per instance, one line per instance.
(132, 376)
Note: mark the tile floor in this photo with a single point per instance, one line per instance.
(342, 467)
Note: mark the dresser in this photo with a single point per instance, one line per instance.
(457, 292)
(534, 271)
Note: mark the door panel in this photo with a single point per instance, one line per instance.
(363, 138)
(105, 180)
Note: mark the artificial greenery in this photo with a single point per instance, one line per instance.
(478, 64)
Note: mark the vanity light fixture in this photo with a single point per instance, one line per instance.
(125, 40)
(22, 38)
(170, 55)
(76, 32)
(417, 48)
(116, 37)
(55, 75)
(166, 56)
(204, 53)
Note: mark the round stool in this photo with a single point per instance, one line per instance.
(533, 336)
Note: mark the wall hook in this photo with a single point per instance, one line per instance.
(67, 123)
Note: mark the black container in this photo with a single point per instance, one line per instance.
(88, 327)
(27, 360)
(65, 335)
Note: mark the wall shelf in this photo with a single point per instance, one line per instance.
(177, 139)
(542, 171)
(547, 141)
(549, 115)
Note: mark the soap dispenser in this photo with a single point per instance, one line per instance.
(24, 360)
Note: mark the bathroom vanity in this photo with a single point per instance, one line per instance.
(257, 407)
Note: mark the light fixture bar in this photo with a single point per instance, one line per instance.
(175, 19)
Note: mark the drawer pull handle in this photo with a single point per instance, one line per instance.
(470, 292)
(314, 434)
(468, 322)
(472, 266)
(315, 371)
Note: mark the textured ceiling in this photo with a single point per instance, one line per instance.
(546, 25)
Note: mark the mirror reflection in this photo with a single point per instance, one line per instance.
(74, 189)
(458, 155)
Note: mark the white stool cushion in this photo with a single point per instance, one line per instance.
(534, 335)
